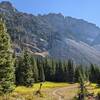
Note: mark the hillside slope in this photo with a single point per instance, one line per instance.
(52, 35)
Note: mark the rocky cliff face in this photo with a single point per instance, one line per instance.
(53, 34)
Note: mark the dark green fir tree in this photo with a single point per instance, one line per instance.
(24, 70)
(7, 76)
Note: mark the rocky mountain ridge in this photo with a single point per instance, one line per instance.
(52, 35)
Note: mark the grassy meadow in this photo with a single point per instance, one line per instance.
(28, 93)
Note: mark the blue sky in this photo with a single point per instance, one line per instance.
(83, 9)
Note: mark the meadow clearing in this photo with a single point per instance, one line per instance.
(49, 91)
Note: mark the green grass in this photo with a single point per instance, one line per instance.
(50, 85)
(28, 93)
(93, 88)
(46, 85)
(96, 88)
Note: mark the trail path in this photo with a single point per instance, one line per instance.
(59, 93)
(65, 93)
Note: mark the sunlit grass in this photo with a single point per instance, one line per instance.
(93, 88)
(93, 85)
(28, 93)
(50, 85)
(23, 90)
(46, 85)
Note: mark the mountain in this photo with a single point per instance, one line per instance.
(52, 35)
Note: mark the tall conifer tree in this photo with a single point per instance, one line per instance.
(70, 71)
(35, 69)
(24, 70)
(6, 61)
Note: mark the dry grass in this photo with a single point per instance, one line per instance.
(25, 93)
(93, 88)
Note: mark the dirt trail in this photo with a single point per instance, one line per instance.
(65, 93)
(59, 93)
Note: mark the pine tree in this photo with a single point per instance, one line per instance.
(53, 64)
(42, 76)
(24, 70)
(70, 71)
(65, 71)
(59, 72)
(48, 69)
(83, 91)
(77, 74)
(34, 69)
(93, 73)
(6, 61)
(98, 76)
(18, 69)
(41, 70)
